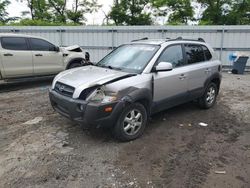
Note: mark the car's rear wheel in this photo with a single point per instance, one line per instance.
(209, 97)
(131, 122)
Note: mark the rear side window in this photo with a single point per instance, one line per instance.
(41, 45)
(194, 53)
(172, 54)
(207, 53)
(14, 43)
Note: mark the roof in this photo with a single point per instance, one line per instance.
(18, 35)
(161, 41)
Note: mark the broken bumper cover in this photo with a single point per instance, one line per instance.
(84, 112)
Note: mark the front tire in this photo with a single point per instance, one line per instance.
(209, 97)
(131, 122)
(74, 65)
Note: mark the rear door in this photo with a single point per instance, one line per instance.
(170, 87)
(16, 58)
(46, 59)
(197, 57)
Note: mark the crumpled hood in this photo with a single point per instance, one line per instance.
(87, 76)
(73, 48)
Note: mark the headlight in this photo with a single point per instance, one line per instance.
(101, 96)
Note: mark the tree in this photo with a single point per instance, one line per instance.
(80, 7)
(216, 11)
(130, 12)
(38, 9)
(59, 10)
(240, 13)
(179, 11)
(3, 12)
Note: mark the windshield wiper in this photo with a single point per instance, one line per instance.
(110, 67)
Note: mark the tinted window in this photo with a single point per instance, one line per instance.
(14, 43)
(194, 53)
(41, 45)
(172, 54)
(207, 53)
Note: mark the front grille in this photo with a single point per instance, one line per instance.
(64, 89)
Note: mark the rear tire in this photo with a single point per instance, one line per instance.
(131, 123)
(209, 97)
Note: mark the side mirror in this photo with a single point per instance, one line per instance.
(163, 66)
(87, 56)
(56, 49)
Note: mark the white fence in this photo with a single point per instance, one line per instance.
(99, 40)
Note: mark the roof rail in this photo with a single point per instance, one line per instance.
(180, 38)
(145, 38)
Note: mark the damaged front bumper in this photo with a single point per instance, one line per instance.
(84, 112)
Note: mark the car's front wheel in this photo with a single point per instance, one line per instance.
(75, 63)
(209, 97)
(131, 122)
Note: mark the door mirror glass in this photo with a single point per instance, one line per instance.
(164, 66)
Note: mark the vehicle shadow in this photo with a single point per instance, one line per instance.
(25, 84)
(155, 121)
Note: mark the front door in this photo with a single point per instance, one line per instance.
(46, 59)
(15, 57)
(170, 87)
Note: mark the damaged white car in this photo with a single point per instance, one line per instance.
(29, 56)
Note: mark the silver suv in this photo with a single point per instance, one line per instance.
(137, 80)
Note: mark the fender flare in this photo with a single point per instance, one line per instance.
(216, 75)
(74, 59)
(139, 94)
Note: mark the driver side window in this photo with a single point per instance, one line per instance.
(172, 54)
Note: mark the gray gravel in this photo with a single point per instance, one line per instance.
(175, 151)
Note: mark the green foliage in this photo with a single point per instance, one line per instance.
(240, 13)
(3, 13)
(30, 22)
(228, 12)
(58, 8)
(130, 12)
(76, 15)
(55, 12)
(38, 9)
(216, 11)
(179, 11)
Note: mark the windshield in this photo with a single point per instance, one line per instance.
(131, 58)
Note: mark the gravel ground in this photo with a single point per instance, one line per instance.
(51, 151)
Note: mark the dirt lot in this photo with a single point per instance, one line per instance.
(175, 151)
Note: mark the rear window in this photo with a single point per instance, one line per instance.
(207, 53)
(14, 43)
(194, 53)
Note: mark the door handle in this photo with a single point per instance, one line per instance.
(182, 76)
(8, 54)
(38, 55)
